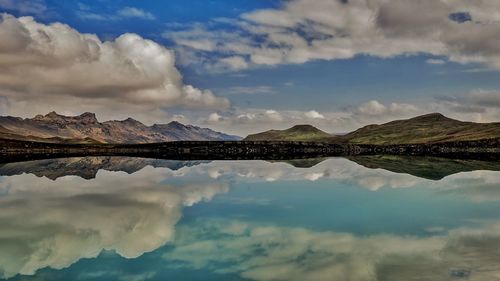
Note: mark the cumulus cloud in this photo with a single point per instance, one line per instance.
(54, 67)
(214, 117)
(301, 31)
(378, 112)
(313, 114)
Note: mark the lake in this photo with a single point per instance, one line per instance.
(363, 218)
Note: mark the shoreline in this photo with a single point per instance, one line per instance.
(247, 150)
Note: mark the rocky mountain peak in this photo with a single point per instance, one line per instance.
(52, 114)
(85, 125)
(88, 117)
(176, 124)
(132, 121)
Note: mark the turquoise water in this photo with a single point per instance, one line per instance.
(102, 218)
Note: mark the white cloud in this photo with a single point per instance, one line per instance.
(87, 15)
(235, 62)
(435, 61)
(372, 108)
(35, 7)
(214, 117)
(239, 90)
(313, 114)
(54, 67)
(301, 31)
(85, 12)
(131, 12)
(376, 111)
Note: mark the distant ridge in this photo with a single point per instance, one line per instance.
(428, 128)
(85, 128)
(295, 133)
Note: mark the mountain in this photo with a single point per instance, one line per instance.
(429, 128)
(295, 133)
(8, 134)
(86, 128)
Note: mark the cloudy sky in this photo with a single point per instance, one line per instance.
(243, 66)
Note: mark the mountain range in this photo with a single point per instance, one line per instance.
(429, 128)
(85, 128)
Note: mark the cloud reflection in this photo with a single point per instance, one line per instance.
(260, 252)
(55, 223)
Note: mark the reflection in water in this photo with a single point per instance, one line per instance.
(260, 220)
(424, 167)
(55, 223)
(87, 167)
(285, 253)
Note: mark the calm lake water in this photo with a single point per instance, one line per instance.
(130, 219)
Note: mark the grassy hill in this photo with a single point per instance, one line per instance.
(428, 128)
(295, 133)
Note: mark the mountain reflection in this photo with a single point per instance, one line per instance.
(56, 212)
(87, 167)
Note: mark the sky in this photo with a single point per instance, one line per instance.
(244, 66)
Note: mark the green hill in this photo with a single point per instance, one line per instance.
(428, 128)
(295, 133)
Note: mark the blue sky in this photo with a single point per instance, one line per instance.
(255, 65)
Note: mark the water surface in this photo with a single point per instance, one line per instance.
(367, 218)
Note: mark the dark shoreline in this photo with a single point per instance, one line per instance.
(13, 150)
